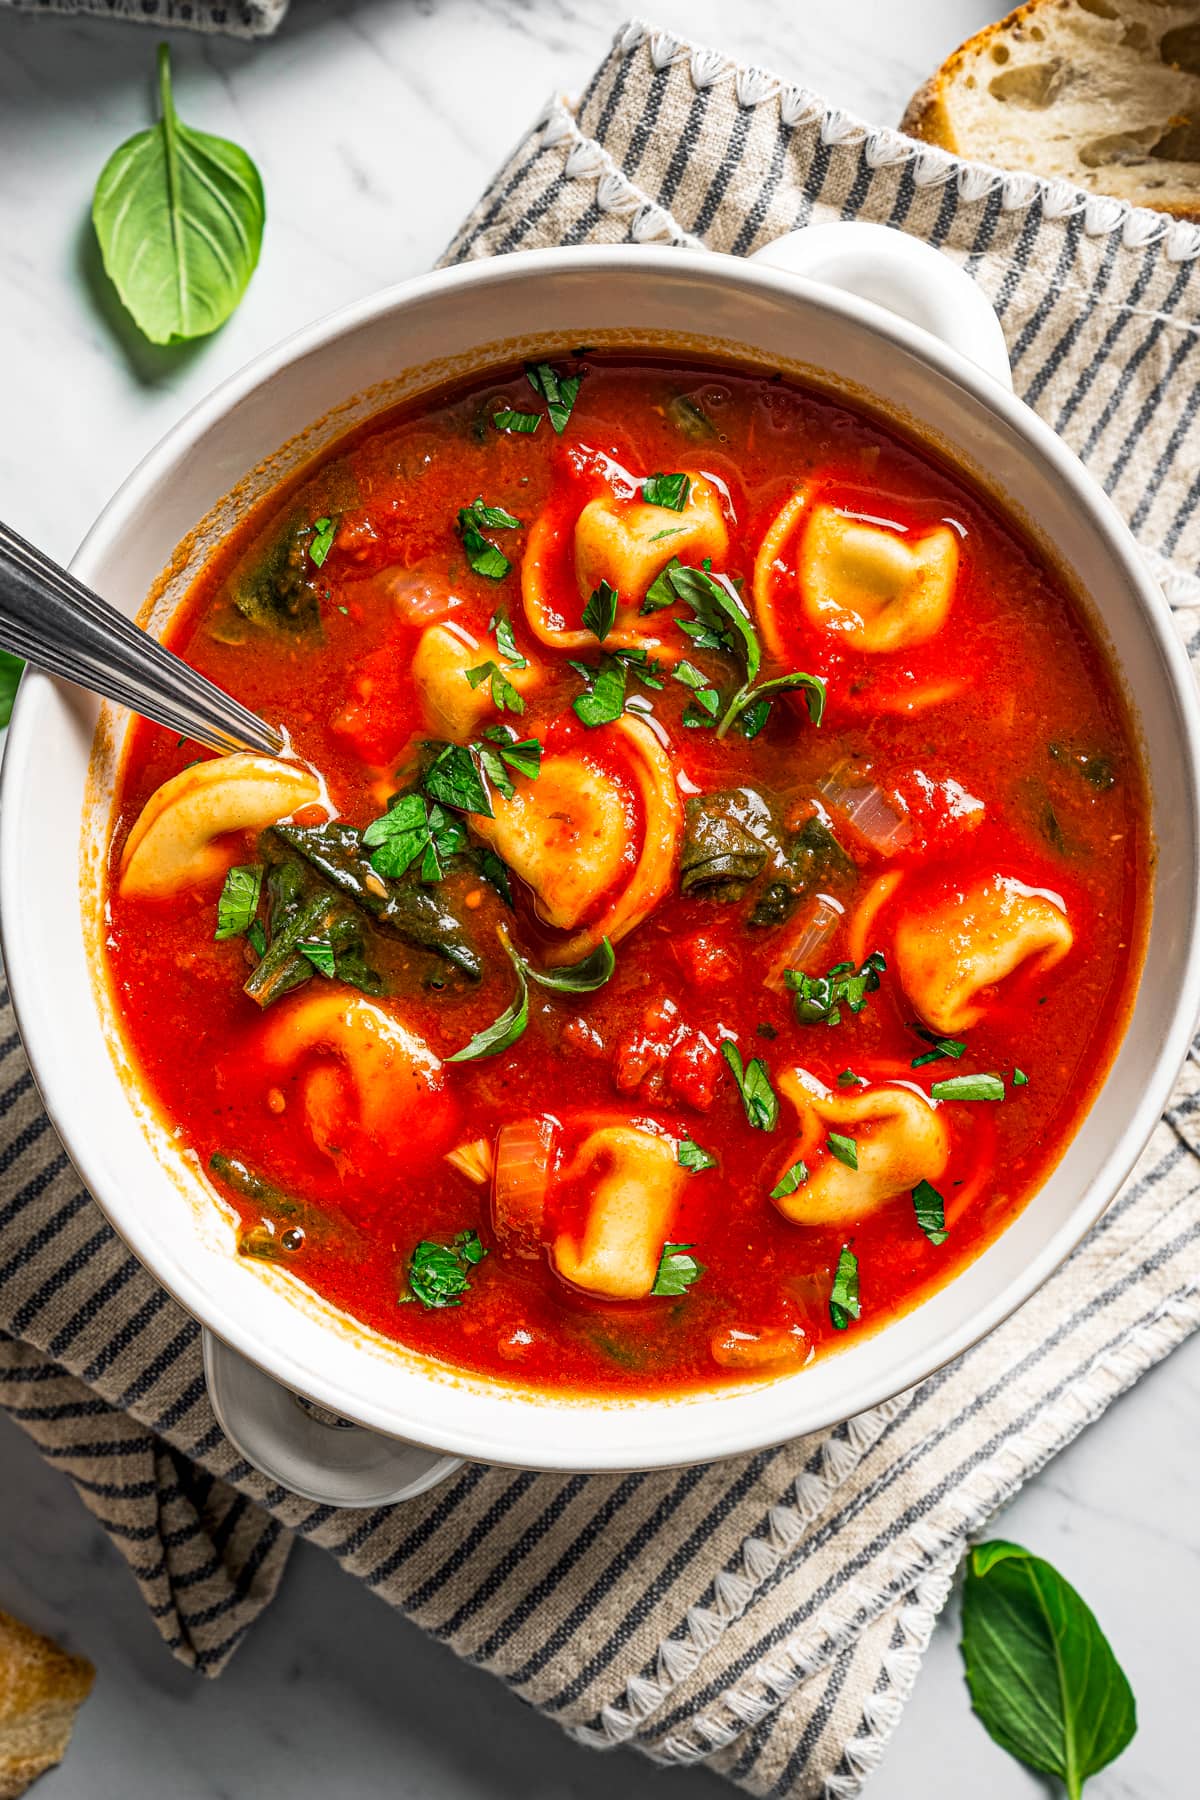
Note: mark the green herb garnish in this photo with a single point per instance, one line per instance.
(522, 755)
(437, 1273)
(238, 900)
(818, 999)
(453, 777)
(324, 532)
(604, 700)
(790, 1180)
(669, 491)
(677, 1270)
(705, 703)
(503, 1031)
(930, 1209)
(320, 956)
(508, 420)
(485, 557)
(843, 1298)
(413, 828)
(179, 218)
(583, 977)
(504, 695)
(848, 1078)
(558, 391)
(600, 613)
(1020, 1078)
(844, 1148)
(1043, 1677)
(943, 1048)
(754, 1085)
(10, 674)
(969, 1087)
(689, 1155)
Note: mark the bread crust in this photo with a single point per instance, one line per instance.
(41, 1689)
(927, 115)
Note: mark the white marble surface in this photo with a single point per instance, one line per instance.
(375, 124)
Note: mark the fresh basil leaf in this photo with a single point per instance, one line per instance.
(930, 1209)
(944, 1049)
(10, 674)
(453, 778)
(1042, 1675)
(399, 836)
(558, 391)
(677, 1270)
(600, 613)
(720, 614)
(668, 531)
(754, 1085)
(437, 1273)
(689, 1155)
(493, 767)
(502, 1032)
(179, 218)
(640, 665)
(501, 624)
(818, 999)
(790, 1180)
(605, 697)
(504, 695)
(670, 491)
(508, 420)
(844, 1148)
(522, 755)
(1020, 1078)
(843, 1299)
(324, 532)
(583, 977)
(238, 900)
(488, 518)
(848, 1079)
(754, 717)
(969, 1087)
(485, 558)
(320, 956)
(493, 869)
(814, 698)
(661, 593)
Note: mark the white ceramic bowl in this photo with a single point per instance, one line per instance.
(260, 1325)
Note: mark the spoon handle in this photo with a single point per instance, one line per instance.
(56, 623)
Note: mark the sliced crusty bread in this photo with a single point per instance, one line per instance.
(41, 1689)
(1101, 93)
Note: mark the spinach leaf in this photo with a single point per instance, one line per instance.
(677, 1270)
(276, 590)
(844, 1303)
(437, 1273)
(10, 674)
(753, 699)
(237, 902)
(583, 977)
(669, 491)
(820, 998)
(1042, 1675)
(453, 778)
(690, 419)
(318, 929)
(754, 1084)
(727, 839)
(179, 218)
(558, 391)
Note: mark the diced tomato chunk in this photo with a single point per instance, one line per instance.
(692, 1070)
(705, 960)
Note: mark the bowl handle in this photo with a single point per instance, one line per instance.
(900, 273)
(308, 1450)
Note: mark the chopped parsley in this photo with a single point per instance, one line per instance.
(238, 901)
(930, 1209)
(677, 1270)
(819, 999)
(437, 1273)
(844, 1148)
(485, 557)
(600, 613)
(754, 1085)
(689, 1155)
(843, 1299)
(558, 391)
(790, 1180)
(705, 703)
(522, 755)
(969, 1087)
(669, 491)
(504, 694)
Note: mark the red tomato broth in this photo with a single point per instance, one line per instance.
(1034, 676)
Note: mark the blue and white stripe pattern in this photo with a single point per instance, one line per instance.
(766, 1615)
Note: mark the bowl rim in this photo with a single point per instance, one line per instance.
(690, 1432)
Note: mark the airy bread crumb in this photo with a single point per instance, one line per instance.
(41, 1689)
(1102, 93)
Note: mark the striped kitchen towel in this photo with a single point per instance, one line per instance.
(235, 18)
(767, 1615)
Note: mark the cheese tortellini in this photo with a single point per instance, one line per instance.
(899, 1140)
(175, 841)
(878, 590)
(635, 1182)
(949, 955)
(575, 831)
(394, 1075)
(454, 709)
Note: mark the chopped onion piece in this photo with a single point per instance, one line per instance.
(737, 1349)
(526, 1156)
(419, 596)
(874, 814)
(474, 1160)
(808, 939)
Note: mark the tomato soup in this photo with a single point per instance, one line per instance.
(702, 894)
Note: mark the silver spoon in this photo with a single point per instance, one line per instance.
(56, 623)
